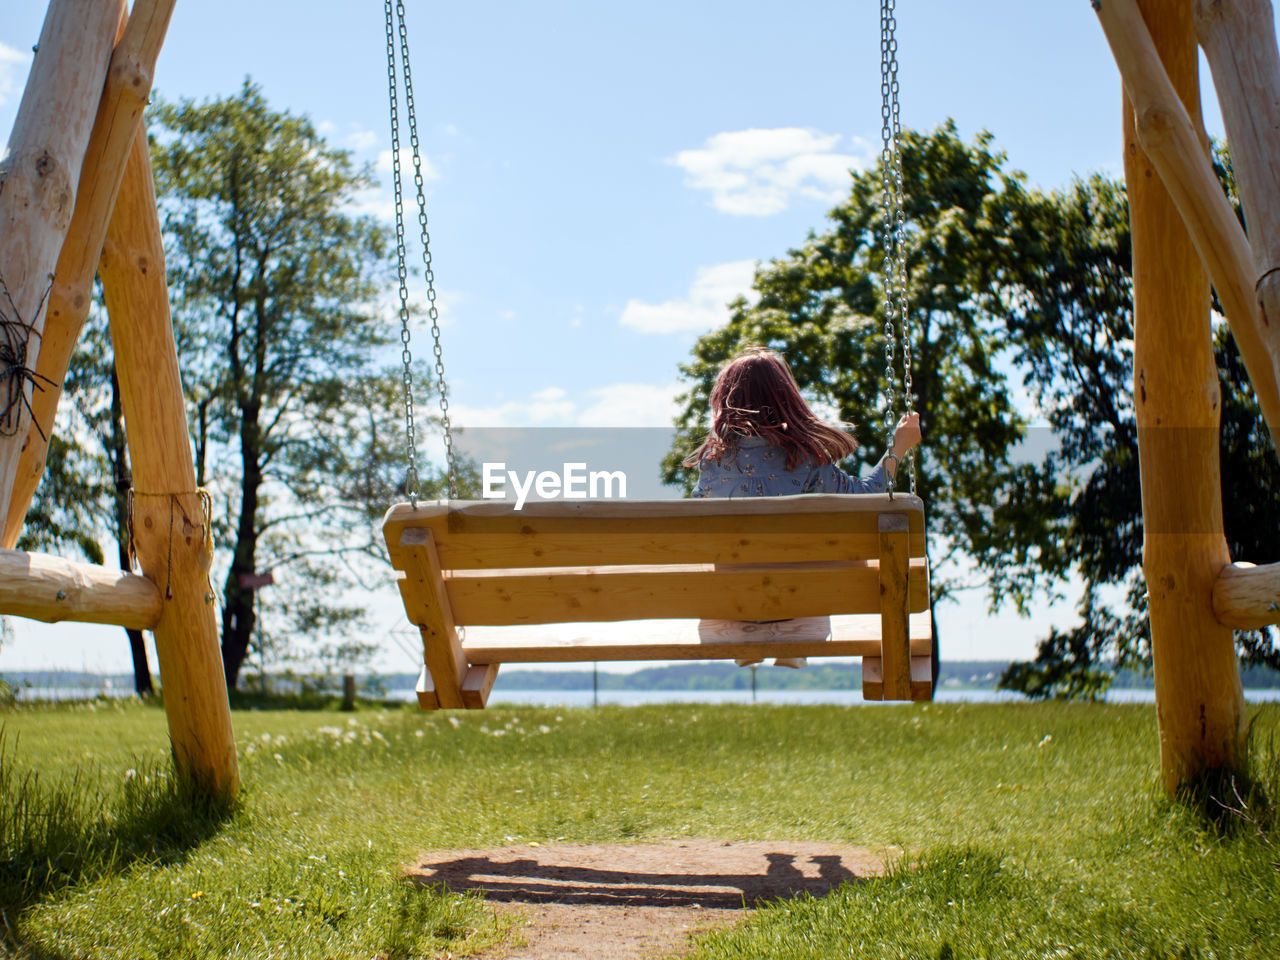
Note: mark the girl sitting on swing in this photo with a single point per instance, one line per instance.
(765, 441)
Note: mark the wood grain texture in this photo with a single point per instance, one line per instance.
(1247, 597)
(726, 564)
(873, 686)
(488, 534)
(52, 589)
(1239, 41)
(429, 606)
(425, 690)
(116, 125)
(39, 178)
(601, 594)
(172, 535)
(477, 685)
(1177, 151)
(1198, 696)
(894, 603)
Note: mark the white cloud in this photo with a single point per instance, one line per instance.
(631, 405)
(759, 173)
(613, 405)
(367, 140)
(706, 306)
(429, 170)
(13, 64)
(549, 408)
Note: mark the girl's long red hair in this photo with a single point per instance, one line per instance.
(755, 395)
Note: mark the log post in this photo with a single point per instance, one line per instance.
(1171, 142)
(53, 589)
(1247, 597)
(38, 181)
(1239, 40)
(1199, 704)
(119, 112)
(172, 537)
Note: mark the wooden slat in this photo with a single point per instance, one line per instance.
(477, 684)
(427, 605)
(426, 691)
(893, 606)
(921, 679)
(856, 636)
(764, 592)
(487, 534)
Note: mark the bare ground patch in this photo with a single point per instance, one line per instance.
(610, 901)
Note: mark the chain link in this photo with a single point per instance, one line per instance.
(894, 272)
(396, 28)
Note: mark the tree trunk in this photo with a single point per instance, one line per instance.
(238, 615)
(119, 456)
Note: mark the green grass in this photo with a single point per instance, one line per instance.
(1030, 829)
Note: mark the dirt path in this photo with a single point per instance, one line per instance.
(610, 902)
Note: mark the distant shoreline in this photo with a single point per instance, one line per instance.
(691, 677)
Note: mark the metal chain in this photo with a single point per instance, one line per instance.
(894, 273)
(396, 27)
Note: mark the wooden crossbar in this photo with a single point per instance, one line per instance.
(725, 565)
(487, 534)
(758, 592)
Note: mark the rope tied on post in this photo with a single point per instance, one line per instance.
(176, 507)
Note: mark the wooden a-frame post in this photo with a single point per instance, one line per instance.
(81, 80)
(1199, 703)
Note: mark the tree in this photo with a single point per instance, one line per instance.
(275, 282)
(1066, 295)
(820, 306)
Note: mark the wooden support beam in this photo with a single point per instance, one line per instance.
(170, 516)
(117, 123)
(1247, 597)
(477, 685)
(1172, 144)
(427, 605)
(921, 679)
(1239, 41)
(895, 643)
(1198, 697)
(38, 183)
(53, 589)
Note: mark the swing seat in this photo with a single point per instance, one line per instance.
(845, 574)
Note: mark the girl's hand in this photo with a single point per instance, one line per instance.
(906, 434)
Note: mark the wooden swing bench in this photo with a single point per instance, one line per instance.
(858, 558)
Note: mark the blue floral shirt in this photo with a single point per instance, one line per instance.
(760, 470)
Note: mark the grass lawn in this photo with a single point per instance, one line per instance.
(1034, 830)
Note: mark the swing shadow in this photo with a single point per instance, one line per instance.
(504, 877)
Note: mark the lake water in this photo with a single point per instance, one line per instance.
(629, 698)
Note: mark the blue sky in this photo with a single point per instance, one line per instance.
(603, 177)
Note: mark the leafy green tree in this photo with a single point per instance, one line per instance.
(1064, 287)
(275, 282)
